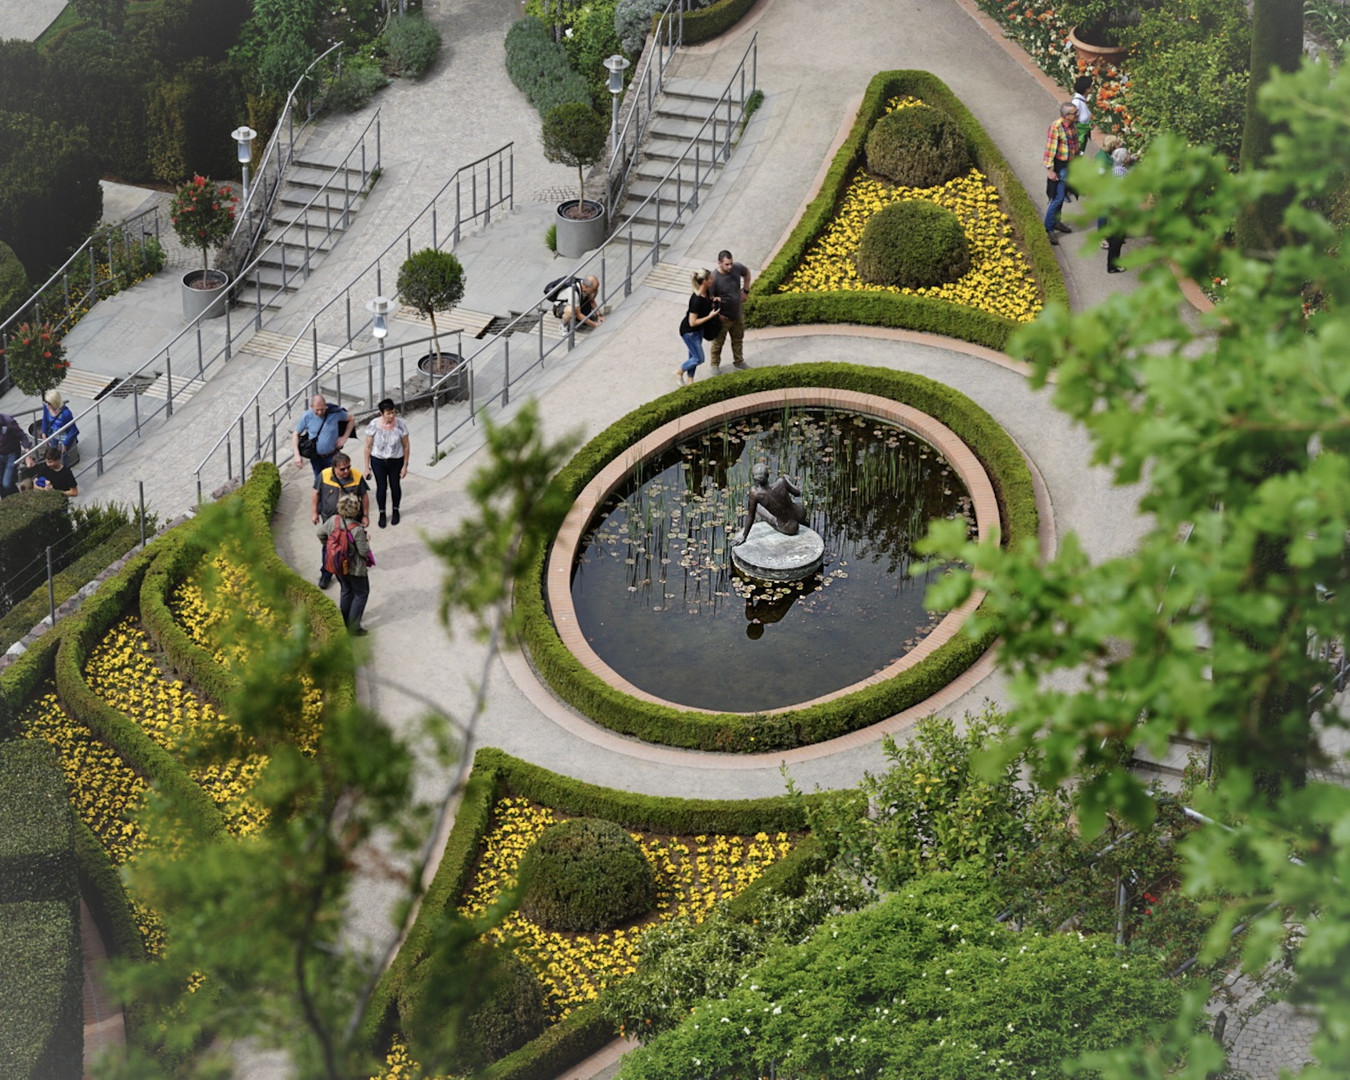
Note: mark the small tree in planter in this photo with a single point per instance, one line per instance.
(35, 358)
(575, 134)
(431, 281)
(203, 215)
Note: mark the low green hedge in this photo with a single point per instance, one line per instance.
(767, 307)
(741, 733)
(32, 522)
(497, 775)
(36, 606)
(707, 23)
(41, 993)
(19, 681)
(37, 846)
(540, 68)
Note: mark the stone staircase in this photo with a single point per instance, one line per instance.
(651, 200)
(315, 207)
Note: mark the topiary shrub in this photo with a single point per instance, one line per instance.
(917, 146)
(585, 874)
(412, 44)
(913, 244)
(506, 1011)
(359, 82)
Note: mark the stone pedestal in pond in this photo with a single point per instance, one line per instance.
(771, 556)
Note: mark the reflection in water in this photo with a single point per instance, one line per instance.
(655, 588)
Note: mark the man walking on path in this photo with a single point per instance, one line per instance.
(1061, 147)
(324, 424)
(731, 283)
(333, 482)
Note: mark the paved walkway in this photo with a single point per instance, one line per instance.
(466, 107)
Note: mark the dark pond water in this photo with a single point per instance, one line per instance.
(660, 601)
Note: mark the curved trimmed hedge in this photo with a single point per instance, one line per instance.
(735, 732)
(707, 23)
(497, 775)
(767, 307)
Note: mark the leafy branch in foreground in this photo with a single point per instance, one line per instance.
(258, 927)
(1237, 430)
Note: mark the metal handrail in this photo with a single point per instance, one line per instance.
(340, 307)
(190, 338)
(476, 379)
(94, 285)
(255, 220)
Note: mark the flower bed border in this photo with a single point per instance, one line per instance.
(496, 775)
(768, 307)
(737, 732)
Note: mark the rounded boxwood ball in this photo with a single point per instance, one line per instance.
(585, 874)
(917, 146)
(913, 244)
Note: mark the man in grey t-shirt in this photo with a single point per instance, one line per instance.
(730, 283)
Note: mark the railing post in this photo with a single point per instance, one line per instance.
(693, 201)
(201, 368)
(628, 277)
(228, 354)
(458, 212)
(726, 147)
(506, 372)
(434, 242)
(511, 171)
(136, 412)
(51, 585)
(656, 236)
(257, 428)
(140, 486)
(98, 424)
(243, 459)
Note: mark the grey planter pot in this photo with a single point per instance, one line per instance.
(576, 236)
(436, 366)
(211, 300)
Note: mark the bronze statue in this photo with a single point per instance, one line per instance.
(772, 503)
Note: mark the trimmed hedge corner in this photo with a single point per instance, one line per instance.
(707, 23)
(497, 775)
(767, 307)
(740, 733)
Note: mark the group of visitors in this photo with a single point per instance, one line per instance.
(1066, 139)
(53, 472)
(714, 314)
(341, 501)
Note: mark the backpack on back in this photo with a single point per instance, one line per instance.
(337, 550)
(554, 290)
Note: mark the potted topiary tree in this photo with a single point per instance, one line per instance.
(575, 134)
(203, 217)
(431, 281)
(35, 359)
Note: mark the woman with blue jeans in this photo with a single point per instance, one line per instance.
(699, 319)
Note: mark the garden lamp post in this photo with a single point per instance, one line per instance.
(379, 309)
(244, 136)
(615, 65)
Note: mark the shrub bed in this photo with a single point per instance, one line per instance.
(715, 19)
(32, 522)
(540, 67)
(498, 777)
(769, 305)
(41, 994)
(728, 732)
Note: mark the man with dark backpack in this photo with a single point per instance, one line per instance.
(574, 300)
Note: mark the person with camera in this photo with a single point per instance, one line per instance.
(701, 323)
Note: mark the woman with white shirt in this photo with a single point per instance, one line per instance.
(387, 450)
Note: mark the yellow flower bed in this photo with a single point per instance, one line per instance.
(104, 790)
(999, 282)
(203, 620)
(691, 875)
(124, 674)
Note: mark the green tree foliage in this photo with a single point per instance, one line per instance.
(431, 281)
(1237, 426)
(108, 14)
(97, 80)
(14, 288)
(49, 194)
(923, 984)
(254, 926)
(575, 134)
(412, 43)
(585, 874)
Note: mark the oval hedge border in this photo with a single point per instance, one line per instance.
(768, 307)
(759, 732)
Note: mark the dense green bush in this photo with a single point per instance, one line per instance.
(360, 81)
(592, 38)
(633, 21)
(922, 984)
(411, 43)
(917, 146)
(913, 243)
(767, 307)
(763, 732)
(1188, 71)
(540, 68)
(41, 992)
(585, 874)
(14, 289)
(32, 522)
(506, 1013)
(715, 19)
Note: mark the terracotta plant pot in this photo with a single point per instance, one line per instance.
(1092, 54)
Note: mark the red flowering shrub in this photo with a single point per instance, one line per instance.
(36, 359)
(203, 214)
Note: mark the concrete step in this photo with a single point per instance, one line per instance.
(1170, 766)
(314, 177)
(271, 278)
(660, 147)
(246, 299)
(321, 219)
